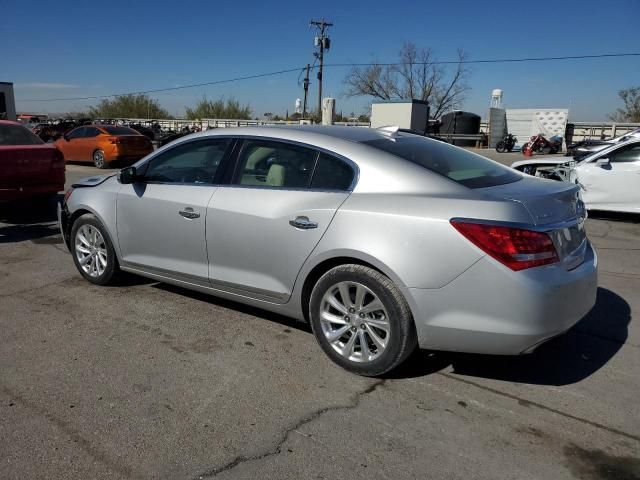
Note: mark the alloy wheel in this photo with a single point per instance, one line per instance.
(91, 250)
(354, 321)
(98, 158)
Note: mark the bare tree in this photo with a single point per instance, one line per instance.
(631, 111)
(417, 76)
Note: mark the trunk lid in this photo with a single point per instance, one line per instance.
(555, 208)
(29, 165)
(134, 143)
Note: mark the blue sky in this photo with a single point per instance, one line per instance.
(96, 48)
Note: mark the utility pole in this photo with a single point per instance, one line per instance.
(306, 90)
(322, 42)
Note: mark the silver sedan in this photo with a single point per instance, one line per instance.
(384, 241)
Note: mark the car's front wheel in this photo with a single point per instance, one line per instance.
(361, 320)
(93, 251)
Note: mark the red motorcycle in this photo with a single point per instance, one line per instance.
(539, 144)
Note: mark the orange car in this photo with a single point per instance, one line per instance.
(102, 144)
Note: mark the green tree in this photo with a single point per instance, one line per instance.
(221, 108)
(631, 111)
(129, 106)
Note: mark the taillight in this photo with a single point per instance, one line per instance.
(516, 248)
(58, 160)
(115, 140)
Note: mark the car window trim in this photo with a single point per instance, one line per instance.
(225, 159)
(318, 150)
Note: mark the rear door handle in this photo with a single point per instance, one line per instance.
(189, 213)
(303, 223)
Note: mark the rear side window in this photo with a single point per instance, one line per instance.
(274, 164)
(465, 168)
(332, 174)
(17, 135)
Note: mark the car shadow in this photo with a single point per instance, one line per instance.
(29, 219)
(566, 359)
(238, 307)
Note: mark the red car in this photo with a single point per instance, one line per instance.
(28, 166)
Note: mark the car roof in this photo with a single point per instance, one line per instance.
(353, 134)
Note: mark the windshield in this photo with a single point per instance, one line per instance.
(461, 166)
(119, 130)
(17, 135)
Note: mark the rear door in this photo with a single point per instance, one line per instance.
(161, 219)
(87, 144)
(615, 185)
(261, 229)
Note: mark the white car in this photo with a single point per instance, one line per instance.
(610, 178)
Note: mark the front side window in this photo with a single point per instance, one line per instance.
(465, 168)
(274, 164)
(629, 153)
(331, 173)
(191, 162)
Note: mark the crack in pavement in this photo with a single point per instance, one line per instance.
(240, 459)
(101, 457)
(541, 406)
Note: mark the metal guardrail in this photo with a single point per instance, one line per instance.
(479, 138)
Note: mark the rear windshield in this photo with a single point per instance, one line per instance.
(465, 168)
(17, 135)
(119, 131)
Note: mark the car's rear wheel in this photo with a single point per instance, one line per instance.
(361, 320)
(93, 251)
(99, 159)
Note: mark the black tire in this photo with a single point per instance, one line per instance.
(99, 159)
(112, 270)
(402, 337)
(501, 147)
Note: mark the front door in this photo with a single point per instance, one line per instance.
(71, 144)
(615, 185)
(161, 219)
(261, 229)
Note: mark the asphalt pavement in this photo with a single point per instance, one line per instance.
(146, 380)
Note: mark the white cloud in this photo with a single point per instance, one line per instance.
(45, 85)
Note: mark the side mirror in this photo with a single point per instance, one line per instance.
(128, 175)
(602, 162)
(66, 137)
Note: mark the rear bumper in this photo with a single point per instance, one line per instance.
(21, 192)
(491, 309)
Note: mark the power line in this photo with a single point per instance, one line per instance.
(181, 87)
(298, 69)
(497, 60)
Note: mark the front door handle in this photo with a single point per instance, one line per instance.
(189, 213)
(303, 223)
